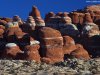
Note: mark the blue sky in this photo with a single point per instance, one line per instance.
(8, 8)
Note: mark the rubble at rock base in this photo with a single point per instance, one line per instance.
(69, 67)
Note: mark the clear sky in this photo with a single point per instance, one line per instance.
(8, 8)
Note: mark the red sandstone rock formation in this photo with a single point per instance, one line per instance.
(52, 20)
(1, 33)
(7, 19)
(32, 51)
(59, 14)
(30, 23)
(9, 34)
(75, 17)
(11, 51)
(52, 47)
(70, 30)
(16, 18)
(69, 45)
(80, 52)
(87, 18)
(64, 20)
(3, 22)
(92, 44)
(94, 10)
(35, 13)
(48, 16)
(90, 29)
(52, 44)
(81, 18)
(53, 55)
(23, 39)
(2, 29)
(48, 38)
(65, 14)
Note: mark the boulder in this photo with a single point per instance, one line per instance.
(11, 50)
(69, 44)
(48, 38)
(67, 28)
(65, 14)
(48, 16)
(75, 17)
(32, 51)
(87, 18)
(90, 29)
(92, 44)
(49, 19)
(10, 34)
(70, 30)
(80, 52)
(51, 44)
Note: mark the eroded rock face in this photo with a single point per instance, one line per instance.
(65, 14)
(30, 23)
(94, 8)
(90, 29)
(81, 18)
(69, 45)
(35, 13)
(6, 19)
(87, 18)
(94, 11)
(93, 46)
(70, 30)
(80, 52)
(3, 22)
(52, 44)
(53, 55)
(11, 50)
(50, 36)
(9, 34)
(56, 21)
(48, 16)
(39, 22)
(16, 18)
(32, 51)
(75, 17)
(23, 39)
(2, 30)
